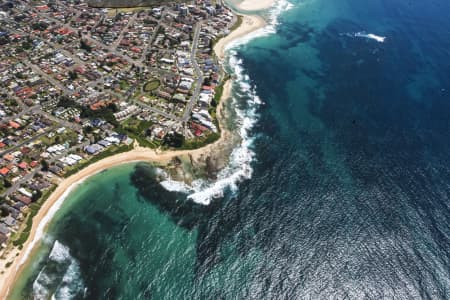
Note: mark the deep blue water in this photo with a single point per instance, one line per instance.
(349, 197)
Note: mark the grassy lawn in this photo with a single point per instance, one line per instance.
(135, 129)
(151, 85)
(124, 85)
(238, 23)
(67, 136)
(136, 126)
(200, 142)
(112, 11)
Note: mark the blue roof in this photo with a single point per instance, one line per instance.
(92, 149)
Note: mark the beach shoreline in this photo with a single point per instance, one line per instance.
(250, 23)
(138, 154)
(252, 5)
(17, 258)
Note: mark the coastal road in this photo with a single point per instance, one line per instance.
(198, 74)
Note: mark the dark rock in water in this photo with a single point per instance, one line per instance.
(184, 212)
(177, 161)
(211, 168)
(128, 3)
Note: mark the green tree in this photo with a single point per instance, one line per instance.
(7, 183)
(4, 212)
(36, 195)
(88, 129)
(73, 75)
(45, 165)
(85, 46)
(174, 140)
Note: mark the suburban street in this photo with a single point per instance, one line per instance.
(198, 74)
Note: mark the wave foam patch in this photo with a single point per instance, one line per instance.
(239, 167)
(59, 253)
(372, 36)
(273, 14)
(60, 278)
(176, 186)
(72, 285)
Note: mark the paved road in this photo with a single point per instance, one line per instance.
(139, 63)
(198, 74)
(18, 146)
(53, 81)
(21, 113)
(119, 38)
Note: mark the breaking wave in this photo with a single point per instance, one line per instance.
(371, 36)
(272, 22)
(60, 278)
(239, 167)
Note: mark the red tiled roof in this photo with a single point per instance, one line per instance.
(23, 165)
(24, 199)
(4, 171)
(8, 157)
(14, 124)
(42, 7)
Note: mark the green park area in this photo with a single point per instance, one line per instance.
(152, 85)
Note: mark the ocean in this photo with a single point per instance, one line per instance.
(340, 189)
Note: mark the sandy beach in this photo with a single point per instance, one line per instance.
(254, 5)
(249, 24)
(16, 259)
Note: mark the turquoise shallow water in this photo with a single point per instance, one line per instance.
(349, 194)
(129, 242)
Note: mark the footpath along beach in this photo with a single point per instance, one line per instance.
(16, 259)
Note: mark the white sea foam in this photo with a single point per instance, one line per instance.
(45, 220)
(372, 36)
(176, 186)
(239, 167)
(273, 15)
(59, 253)
(40, 290)
(61, 276)
(72, 284)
